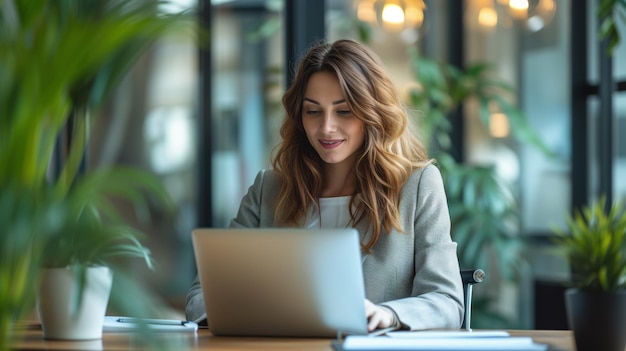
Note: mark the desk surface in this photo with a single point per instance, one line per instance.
(32, 339)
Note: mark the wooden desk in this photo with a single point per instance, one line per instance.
(203, 340)
(559, 340)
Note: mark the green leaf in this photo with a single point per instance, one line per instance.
(595, 245)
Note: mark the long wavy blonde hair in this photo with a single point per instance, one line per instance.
(389, 155)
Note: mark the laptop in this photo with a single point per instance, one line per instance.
(281, 282)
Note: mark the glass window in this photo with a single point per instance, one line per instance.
(619, 175)
(618, 56)
(545, 99)
(619, 72)
(530, 52)
(247, 85)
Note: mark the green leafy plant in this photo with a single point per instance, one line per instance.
(594, 243)
(60, 61)
(607, 12)
(483, 208)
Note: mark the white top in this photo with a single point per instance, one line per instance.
(334, 213)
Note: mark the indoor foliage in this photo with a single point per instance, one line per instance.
(595, 246)
(60, 60)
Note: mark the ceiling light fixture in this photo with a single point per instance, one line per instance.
(393, 15)
(532, 14)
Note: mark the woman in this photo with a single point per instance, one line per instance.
(348, 159)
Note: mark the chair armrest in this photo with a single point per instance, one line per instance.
(469, 277)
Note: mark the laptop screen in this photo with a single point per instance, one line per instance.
(281, 282)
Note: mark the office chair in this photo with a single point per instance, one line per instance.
(469, 278)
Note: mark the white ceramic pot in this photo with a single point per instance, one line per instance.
(61, 316)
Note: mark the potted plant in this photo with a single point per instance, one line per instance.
(80, 258)
(595, 246)
(60, 59)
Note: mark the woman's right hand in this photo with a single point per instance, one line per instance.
(378, 317)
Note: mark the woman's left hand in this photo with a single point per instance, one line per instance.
(378, 317)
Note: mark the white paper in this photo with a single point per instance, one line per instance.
(449, 344)
(449, 334)
(115, 324)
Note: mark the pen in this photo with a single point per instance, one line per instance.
(151, 321)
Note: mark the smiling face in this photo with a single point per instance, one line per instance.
(331, 127)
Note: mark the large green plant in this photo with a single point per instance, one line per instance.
(483, 207)
(594, 242)
(59, 60)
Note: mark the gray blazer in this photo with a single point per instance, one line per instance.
(415, 272)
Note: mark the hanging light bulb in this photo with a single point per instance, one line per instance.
(393, 15)
(488, 17)
(536, 14)
(532, 14)
(518, 9)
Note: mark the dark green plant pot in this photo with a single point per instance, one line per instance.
(597, 319)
